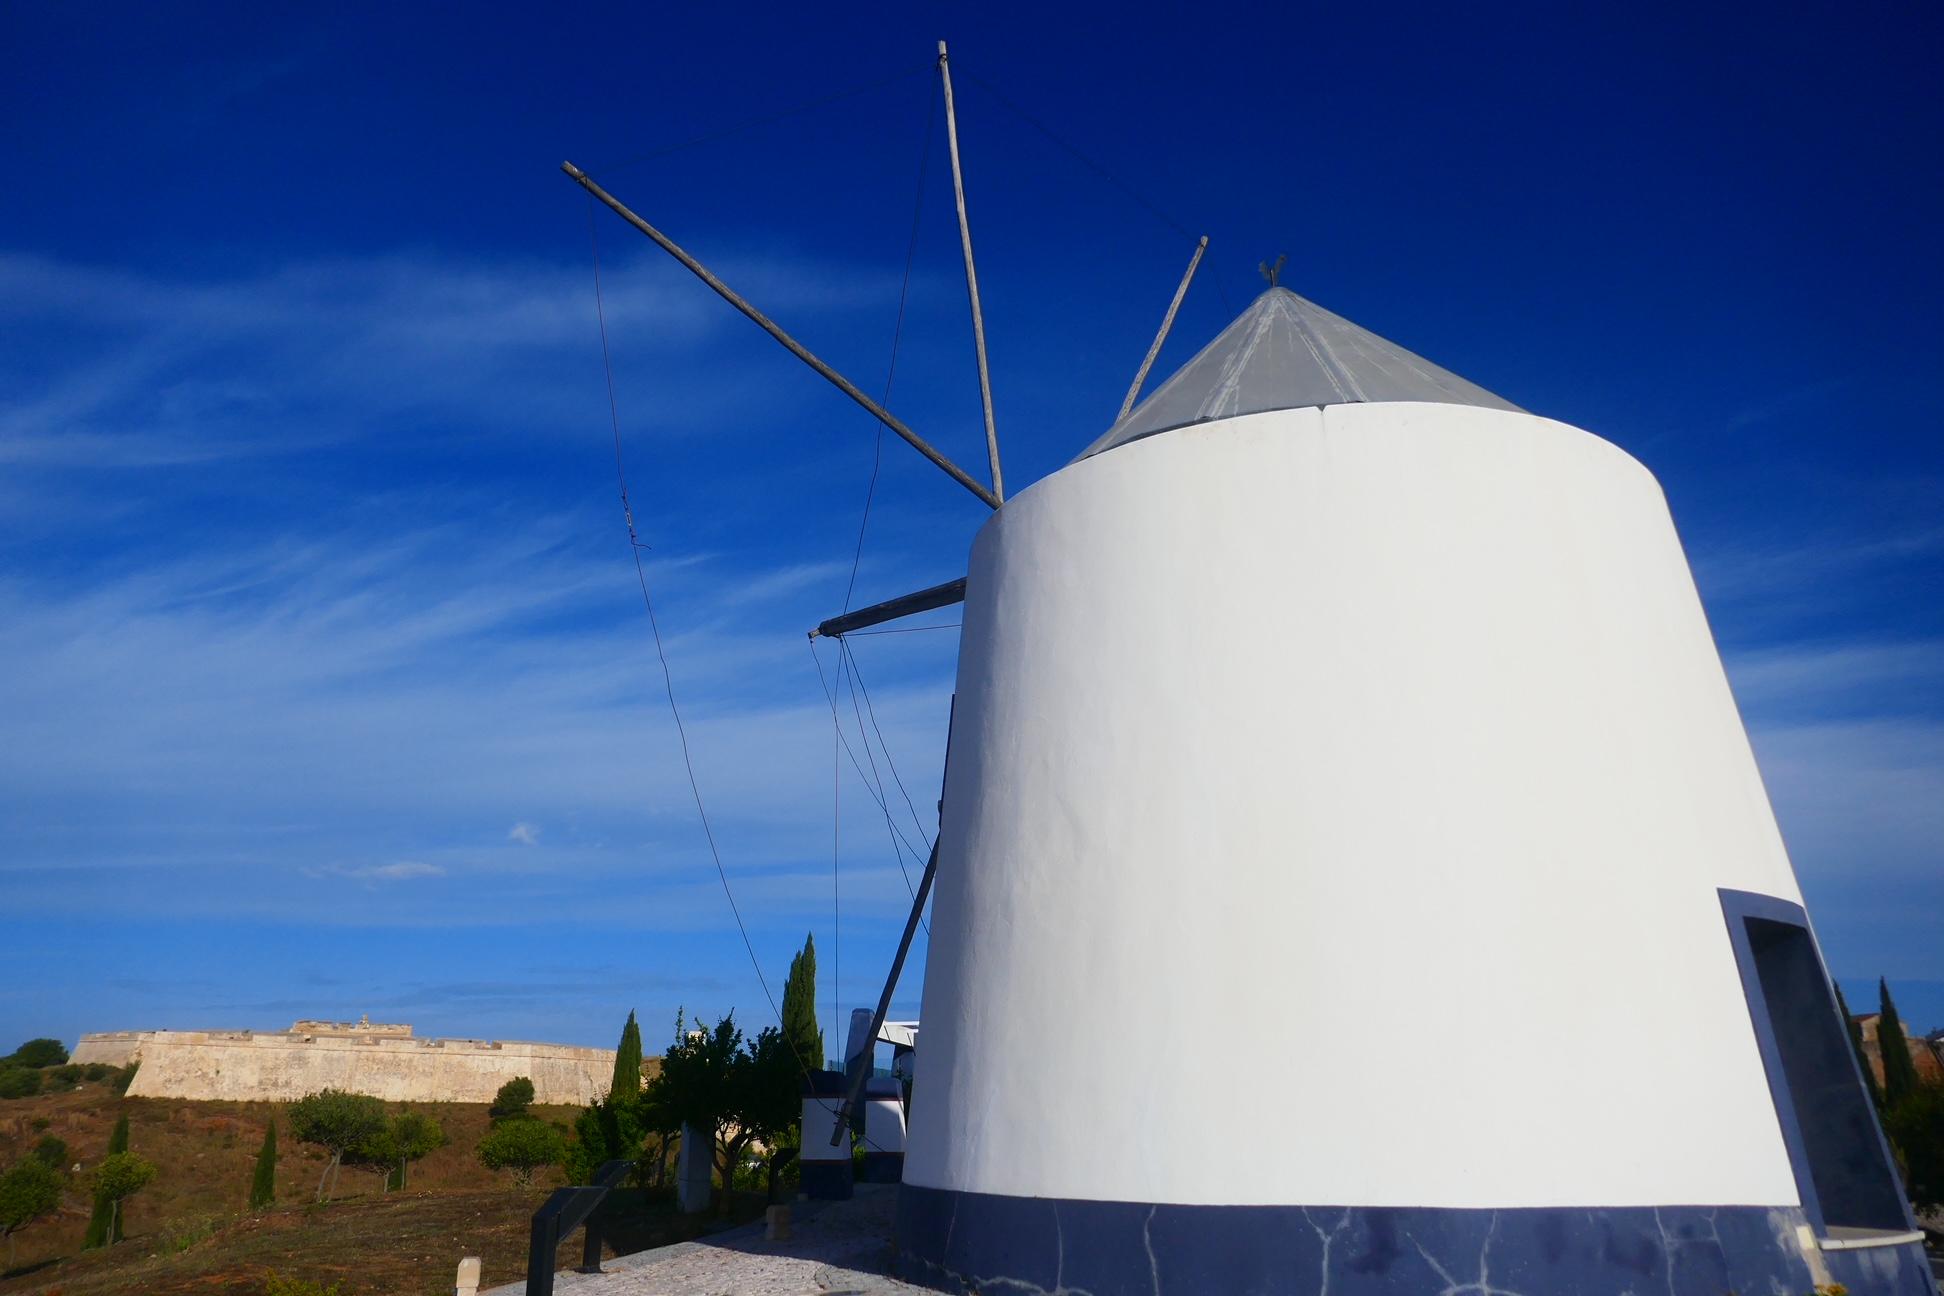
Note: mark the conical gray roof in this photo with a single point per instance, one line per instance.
(1286, 352)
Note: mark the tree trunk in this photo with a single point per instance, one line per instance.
(731, 1152)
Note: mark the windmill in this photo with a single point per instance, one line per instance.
(1353, 873)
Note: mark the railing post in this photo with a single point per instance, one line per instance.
(591, 1245)
(541, 1245)
(564, 1212)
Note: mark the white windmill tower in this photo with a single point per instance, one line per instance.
(1354, 875)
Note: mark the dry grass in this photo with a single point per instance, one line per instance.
(189, 1232)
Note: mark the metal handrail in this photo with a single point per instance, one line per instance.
(559, 1216)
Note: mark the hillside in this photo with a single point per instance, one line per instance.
(188, 1231)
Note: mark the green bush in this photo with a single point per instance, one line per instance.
(339, 1123)
(59, 1079)
(1916, 1128)
(124, 1077)
(120, 1176)
(512, 1100)
(51, 1152)
(521, 1146)
(39, 1053)
(178, 1236)
(27, 1192)
(279, 1285)
(19, 1082)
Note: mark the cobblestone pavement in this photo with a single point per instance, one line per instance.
(837, 1248)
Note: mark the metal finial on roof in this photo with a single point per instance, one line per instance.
(1270, 272)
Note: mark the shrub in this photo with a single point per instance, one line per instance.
(512, 1100)
(101, 1223)
(59, 1079)
(27, 1192)
(263, 1182)
(338, 1122)
(51, 1152)
(178, 1236)
(39, 1053)
(124, 1077)
(521, 1146)
(1916, 1126)
(19, 1082)
(94, 1072)
(120, 1176)
(279, 1285)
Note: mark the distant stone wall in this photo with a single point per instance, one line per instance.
(114, 1048)
(247, 1066)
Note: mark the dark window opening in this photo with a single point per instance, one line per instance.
(1835, 1146)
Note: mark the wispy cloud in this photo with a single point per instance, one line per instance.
(386, 691)
(189, 371)
(400, 871)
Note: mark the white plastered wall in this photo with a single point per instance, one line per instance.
(1337, 804)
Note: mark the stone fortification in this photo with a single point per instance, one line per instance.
(385, 1062)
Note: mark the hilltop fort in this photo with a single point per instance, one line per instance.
(385, 1061)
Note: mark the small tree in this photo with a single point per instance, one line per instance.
(1916, 1128)
(116, 1179)
(414, 1135)
(800, 1026)
(51, 1152)
(337, 1122)
(627, 1062)
(376, 1155)
(27, 1192)
(101, 1223)
(765, 1104)
(521, 1146)
(263, 1182)
(1855, 1030)
(512, 1100)
(1899, 1072)
(39, 1053)
(732, 1095)
(18, 1081)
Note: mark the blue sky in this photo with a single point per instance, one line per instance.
(326, 681)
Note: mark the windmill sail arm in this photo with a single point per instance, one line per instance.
(905, 605)
(770, 327)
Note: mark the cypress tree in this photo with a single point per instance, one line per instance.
(1899, 1072)
(104, 1226)
(800, 1027)
(627, 1063)
(1856, 1046)
(263, 1184)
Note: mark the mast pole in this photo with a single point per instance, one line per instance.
(856, 1085)
(796, 348)
(971, 277)
(1167, 323)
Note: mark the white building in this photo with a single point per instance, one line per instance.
(1328, 691)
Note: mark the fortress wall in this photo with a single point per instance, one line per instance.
(248, 1067)
(114, 1048)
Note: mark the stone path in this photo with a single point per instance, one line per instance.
(839, 1248)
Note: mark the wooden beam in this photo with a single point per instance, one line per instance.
(971, 278)
(924, 600)
(770, 327)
